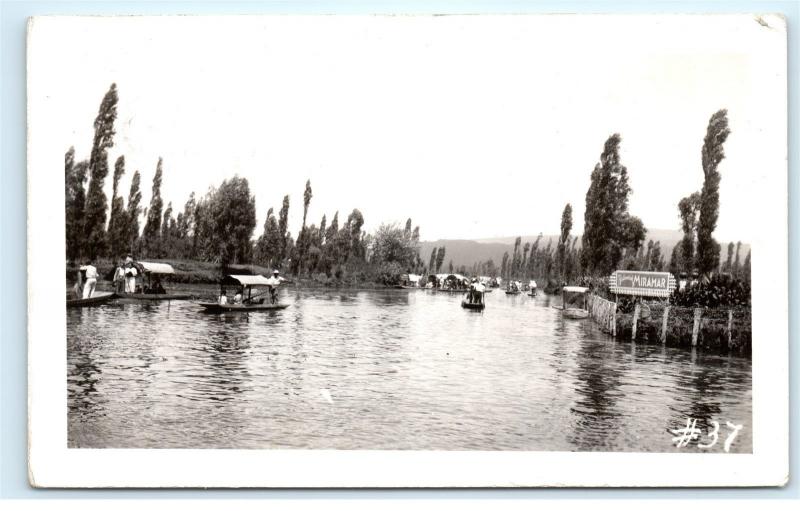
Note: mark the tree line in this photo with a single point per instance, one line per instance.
(614, 239)
(218, 227)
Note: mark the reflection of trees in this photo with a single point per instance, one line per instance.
(227, 356)
(82, 377)
(697, 390)
(389, 298)
(597, 382)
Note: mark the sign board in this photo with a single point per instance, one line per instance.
(642, 283)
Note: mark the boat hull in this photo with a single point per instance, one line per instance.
(473, 306)
(142, 296)
(217, 308)
(97, 299)
(512, 292)
(576, 313)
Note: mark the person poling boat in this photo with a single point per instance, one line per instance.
(91, 279)
(247, 300)
(83, 293)
(474, 297)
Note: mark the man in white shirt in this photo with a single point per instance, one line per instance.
(274, 282)
(130, 277)
(91, 279)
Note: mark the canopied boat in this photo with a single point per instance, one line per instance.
(264, 300)
(151, 287)
(573, 302)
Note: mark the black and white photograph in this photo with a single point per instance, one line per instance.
(408, 235)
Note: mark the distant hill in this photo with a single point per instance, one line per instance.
(468, 252)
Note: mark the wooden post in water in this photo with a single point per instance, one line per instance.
(696, 328)
(664, 325)
(636, 311)
(730, 325)
(614, 320)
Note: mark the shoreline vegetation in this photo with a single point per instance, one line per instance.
(216, 234)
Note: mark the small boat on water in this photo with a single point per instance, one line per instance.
(262, 301)
(241, 307)
(473, 306)
(573, 299)
(151, 288)
(512, 292)
(97, 299)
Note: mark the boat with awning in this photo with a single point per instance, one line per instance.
(264, 298)
(574, 302)
(151, 288)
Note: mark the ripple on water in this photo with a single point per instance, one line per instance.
(400, 370)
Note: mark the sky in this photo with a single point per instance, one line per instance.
(473, 126)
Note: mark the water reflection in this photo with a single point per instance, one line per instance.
(384, 370)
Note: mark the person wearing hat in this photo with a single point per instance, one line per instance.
(476, 290)
(274, 282)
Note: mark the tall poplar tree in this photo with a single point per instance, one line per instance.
(712, 154)
(133, 211)
(94, 225)
(74, 204)
(606, 221)
(689, 208)
(117, 223)
(151, 236)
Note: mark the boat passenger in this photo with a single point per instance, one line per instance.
(91, 279)
(130, 277)
(223, 298)
(157, 288)
(119, 278)
(237, 298)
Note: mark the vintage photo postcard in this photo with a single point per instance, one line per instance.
(407, 251)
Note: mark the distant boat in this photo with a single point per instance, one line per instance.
(573, 299)
(97, 299)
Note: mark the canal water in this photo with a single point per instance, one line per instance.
(390, 369)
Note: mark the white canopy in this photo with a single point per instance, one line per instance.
(157, 267)
(575, 289)
(250, 280)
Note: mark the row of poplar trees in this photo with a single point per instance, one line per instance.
(614, 239)
(218, 227)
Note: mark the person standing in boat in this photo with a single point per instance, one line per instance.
(223, 298)
(119, 278)
(91, 279)
(477, 291)
(274, 282)
(130, 277)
